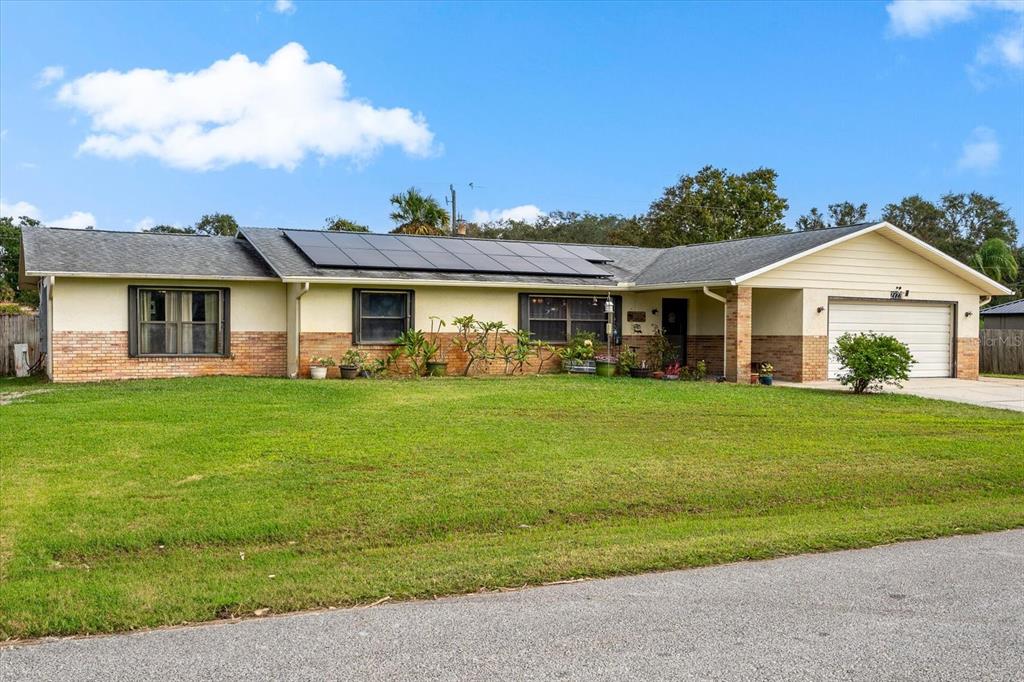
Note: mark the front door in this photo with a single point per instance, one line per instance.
(673, 325)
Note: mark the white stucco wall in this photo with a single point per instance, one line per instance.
(100, 304)
(870, 266)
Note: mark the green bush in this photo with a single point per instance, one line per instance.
(869, 361)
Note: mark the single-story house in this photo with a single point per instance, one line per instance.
(118, 305)
(1005, 315)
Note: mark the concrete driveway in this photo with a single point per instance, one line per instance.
(946, 609)
(1006, 394)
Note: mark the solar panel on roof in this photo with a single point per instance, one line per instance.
(586, 253)
(308, 238)
(518, 264)
(406, 252)
(408, 260)
(327, 255)
(554, 250)
(492, 248)
(457, 246)
(521, 249)
(482, 263)
(584, 267)
(421, 244)
(446, 261)
(385, 242)
(344, 240)
(369, 258)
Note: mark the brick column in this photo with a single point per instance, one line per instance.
(737, 334)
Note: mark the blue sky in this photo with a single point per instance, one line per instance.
(554, 106)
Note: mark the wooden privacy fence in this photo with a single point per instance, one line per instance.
(17, 329)
(1002, 351)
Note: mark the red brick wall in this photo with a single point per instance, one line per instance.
(795, 358)
(967, 358)
(100, 356)
(334, 344)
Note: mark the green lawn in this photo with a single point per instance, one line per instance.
(135, 504)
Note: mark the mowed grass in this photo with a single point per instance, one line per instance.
(136, 504)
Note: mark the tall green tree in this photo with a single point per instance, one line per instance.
(10, 260)
(336, 223)
(217, 224)
(842, 213)
(997, 260)
(564, 226)
(214, 224)
(417, 213)
(957, 225)
(715, 205)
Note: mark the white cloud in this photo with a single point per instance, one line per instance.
(49, 75)
(18, 209)
(146, 223)
(284, 6)
(980, 151)
(239, 111)
(76, 219)
(917, 18)
(1006, 48)
(528, 213)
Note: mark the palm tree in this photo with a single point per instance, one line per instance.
(995, 259)
(416, 213)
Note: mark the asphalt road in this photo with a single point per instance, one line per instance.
(948, 609)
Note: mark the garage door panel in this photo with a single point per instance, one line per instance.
(927, 329)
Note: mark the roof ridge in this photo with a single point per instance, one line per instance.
(787, 233)
(80, 230)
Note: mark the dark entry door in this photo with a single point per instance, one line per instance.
(673, 324)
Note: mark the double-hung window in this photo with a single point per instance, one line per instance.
(557, 319)
(165, 321)
(380, 316)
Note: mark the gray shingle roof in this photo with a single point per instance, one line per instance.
(724, 261)
(49, 250)
(267, 252)
(1008, 308)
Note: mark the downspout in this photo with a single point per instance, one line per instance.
(985, 300)
(725, 325)
(295, 319)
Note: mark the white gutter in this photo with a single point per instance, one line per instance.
(598, 285)
(725, 325)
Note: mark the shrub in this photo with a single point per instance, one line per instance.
(869, 361)
(10, 309)
(660, 351)
(353, 358)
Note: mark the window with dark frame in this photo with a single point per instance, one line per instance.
(178, 321)
(381, 316)
(556, 319)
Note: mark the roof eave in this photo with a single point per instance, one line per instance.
(147, 275)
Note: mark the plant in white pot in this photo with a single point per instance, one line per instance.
(318, 366)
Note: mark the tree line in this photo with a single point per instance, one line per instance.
(710, 205)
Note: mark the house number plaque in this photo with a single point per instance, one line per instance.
(636, 316)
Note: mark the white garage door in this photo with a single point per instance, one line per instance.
(926, 328)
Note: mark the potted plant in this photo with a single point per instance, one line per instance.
(606, 365)
(765, 372)
(318, 366)
(578, 356)
(672, 371)
(435, 354)
(352, 363)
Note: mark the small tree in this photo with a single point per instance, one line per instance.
(869, 361)
(336, 223)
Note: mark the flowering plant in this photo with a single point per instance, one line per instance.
(766, 369)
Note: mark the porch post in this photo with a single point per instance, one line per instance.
(737, 334)
(294, 292)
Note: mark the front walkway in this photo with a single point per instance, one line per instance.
(937, 609)
(1005, 394)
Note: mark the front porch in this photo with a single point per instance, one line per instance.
(731, 329)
